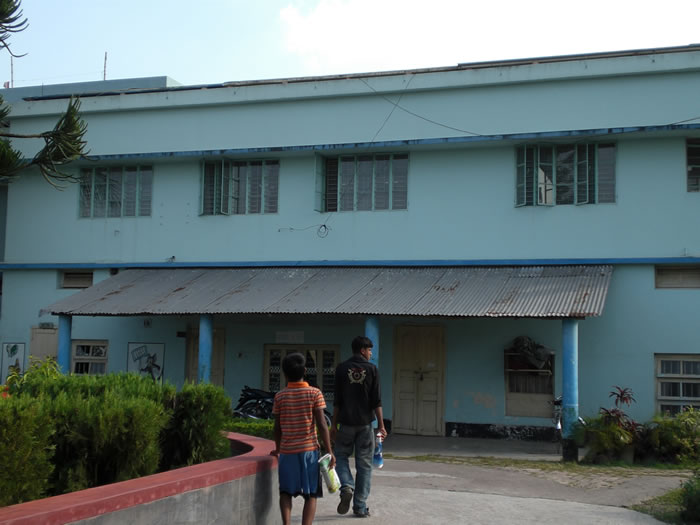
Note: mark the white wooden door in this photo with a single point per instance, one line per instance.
(418, 381)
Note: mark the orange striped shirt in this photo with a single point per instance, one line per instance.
(294, 407)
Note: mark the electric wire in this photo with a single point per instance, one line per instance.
(393, 108)
(397, 105)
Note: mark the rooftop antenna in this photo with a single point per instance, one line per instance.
(104, 73)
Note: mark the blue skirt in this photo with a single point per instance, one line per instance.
(300, 475)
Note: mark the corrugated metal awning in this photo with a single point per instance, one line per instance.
(523, 291)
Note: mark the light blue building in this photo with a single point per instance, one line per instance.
(443, 212)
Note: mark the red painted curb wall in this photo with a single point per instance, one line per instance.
(92, 502)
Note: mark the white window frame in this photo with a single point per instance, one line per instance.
(96, 359)
(544, 178)
(116, 191)
(528, 404)
(229, 187)
(273, 377)
(685, 372)
(356, 182)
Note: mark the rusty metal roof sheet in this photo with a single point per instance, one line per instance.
(522, 291)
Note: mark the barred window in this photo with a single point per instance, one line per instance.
(365, 182)
(116, 191)
(239, 188)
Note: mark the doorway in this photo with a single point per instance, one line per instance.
(419, 363)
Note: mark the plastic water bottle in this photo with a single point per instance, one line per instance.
(378, 459)
(330, 476)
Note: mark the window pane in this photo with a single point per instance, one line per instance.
(669, 389)
(81, 367)
(97, 368)
(399, 182)
(331, 190)
(100, 193)
(693, 152)
(129, 198)
(691, 368)
(82, 350)
(145, 190)
(565, 174)
(691, 389)
(311, 371)
(606, 173)
(274, 371)
(582, 161)
(670, 410)
(272, 170)
(529, 176)
(255, 187)
(347, 183)
(85, 193)
(670, 367)
(364, 183)
(115, 192)
(240, 183)
(382, 174)
(208, 189)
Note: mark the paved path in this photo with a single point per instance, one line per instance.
(407, 492)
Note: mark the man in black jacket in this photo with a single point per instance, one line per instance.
(356, 404)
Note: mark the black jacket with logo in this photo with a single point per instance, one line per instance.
(357, 391)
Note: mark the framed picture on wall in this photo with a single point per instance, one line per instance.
(12, 359)
(147, 359)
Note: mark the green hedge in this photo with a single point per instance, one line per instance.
(252, 427)
(26, 445)
(64, 433)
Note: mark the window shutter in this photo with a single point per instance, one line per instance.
(582, 172)
(693, 155)
(319, 201)
(271, 186)
(225, 199)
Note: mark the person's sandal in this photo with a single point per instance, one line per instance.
(345, 499)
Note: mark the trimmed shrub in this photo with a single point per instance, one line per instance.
(104, 439)
(25, 441)
(252, 427)
(194, 432)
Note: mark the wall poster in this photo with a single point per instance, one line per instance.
(147, 359)
(12, 358)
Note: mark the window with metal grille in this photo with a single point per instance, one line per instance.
(529, 390)
(556, 174)
(239, 188)
(365, 182)
(75, 279)
(677, 276)
(116, 191)
(677, 382)
(693, 155)
(89, 357)
(321, 361)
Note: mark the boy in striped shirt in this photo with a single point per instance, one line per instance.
(298, 410)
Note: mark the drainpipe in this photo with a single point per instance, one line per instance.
(206, 332)
(65, 327)
(372, 331)
(569, 388)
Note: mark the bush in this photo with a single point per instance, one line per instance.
(690, 497)
(252, 427)
(104, 439)
(194, 432)
(671, 439)
(25, 441)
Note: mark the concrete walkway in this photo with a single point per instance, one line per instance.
(407, 492)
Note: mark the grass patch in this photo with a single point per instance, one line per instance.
(620, 469)
(666, 508)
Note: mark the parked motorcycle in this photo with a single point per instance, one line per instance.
(255, 403)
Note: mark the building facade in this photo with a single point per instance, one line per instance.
(506, 232)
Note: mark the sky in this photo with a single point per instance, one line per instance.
(214, 41)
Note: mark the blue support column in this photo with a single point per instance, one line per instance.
(65, 326)
(569, 388)
(206, 338)
(372, 331)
